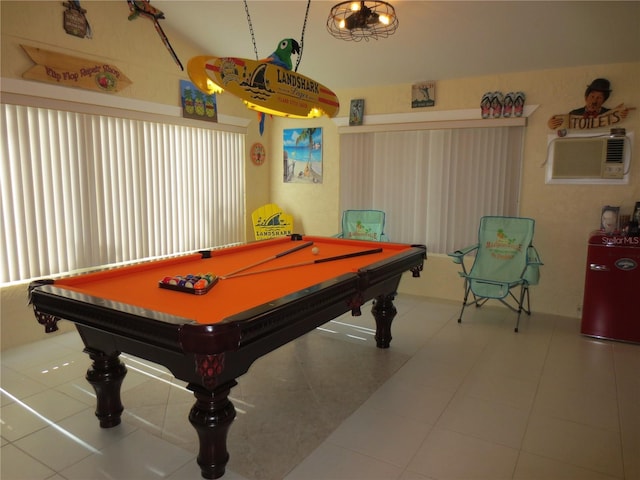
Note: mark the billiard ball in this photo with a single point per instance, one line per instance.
(315, 250)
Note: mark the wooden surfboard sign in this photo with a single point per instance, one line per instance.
(69, 71)
(265, 85)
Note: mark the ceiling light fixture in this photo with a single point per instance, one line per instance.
(366, 19)
(263, 86)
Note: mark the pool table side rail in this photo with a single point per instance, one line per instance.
(292, 318)
(348, 293)
(263, 320)
(180, 334)
(408, 260)
(243, 337)
(52, 304)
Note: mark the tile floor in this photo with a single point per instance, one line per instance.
(446, 401)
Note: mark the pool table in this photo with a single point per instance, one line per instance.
(267, 294)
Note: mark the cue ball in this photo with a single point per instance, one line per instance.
(315, 250)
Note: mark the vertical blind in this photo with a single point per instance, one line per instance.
(434, 185)
(82, 191)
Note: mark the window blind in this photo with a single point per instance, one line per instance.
(82, 190)
(434, 185)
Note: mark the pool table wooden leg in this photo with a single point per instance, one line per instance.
(212, 416)
(384, 311)
(106, 375)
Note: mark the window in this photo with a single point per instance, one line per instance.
(82, 190)
(434, 185)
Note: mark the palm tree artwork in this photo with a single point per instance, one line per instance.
(303, 146)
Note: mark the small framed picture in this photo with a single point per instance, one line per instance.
(196, 104)
(302, 155)
(423, 94)
(633, 229)
(635, 217)
(609, 218)
(356, 112)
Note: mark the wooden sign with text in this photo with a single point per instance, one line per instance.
(68, 71)
(582, 122)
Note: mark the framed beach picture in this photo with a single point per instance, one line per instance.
(356, 112)
(302, 155)
(423, 94)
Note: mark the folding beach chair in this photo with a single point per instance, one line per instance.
(505, 259)
(363, 225)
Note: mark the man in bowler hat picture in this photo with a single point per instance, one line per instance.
(593, 114)
(594, 97)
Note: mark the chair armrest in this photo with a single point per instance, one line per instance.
(533, 258)
(458, 255)
(531, 272)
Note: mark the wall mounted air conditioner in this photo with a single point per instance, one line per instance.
(589, 159)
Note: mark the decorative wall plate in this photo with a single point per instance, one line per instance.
(258, 154)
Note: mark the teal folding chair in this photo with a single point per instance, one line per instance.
(363, 225)
(505, 259)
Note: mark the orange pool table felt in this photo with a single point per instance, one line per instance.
(138, 284)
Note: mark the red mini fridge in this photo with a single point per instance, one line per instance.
(611, 307)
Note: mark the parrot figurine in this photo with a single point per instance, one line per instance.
(282, 56)
(144, 8)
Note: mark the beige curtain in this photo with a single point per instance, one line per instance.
(434, 185)
(81, 191)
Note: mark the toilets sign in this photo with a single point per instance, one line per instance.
(593, 114)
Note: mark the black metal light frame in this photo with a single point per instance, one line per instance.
(358, 20)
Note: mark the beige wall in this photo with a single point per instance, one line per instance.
(137, 50)
(134, 47)
(564, 214)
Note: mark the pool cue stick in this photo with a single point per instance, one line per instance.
(272, 257)
(309, 262)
